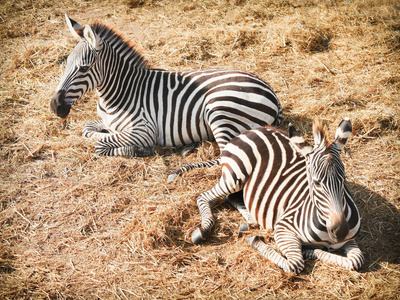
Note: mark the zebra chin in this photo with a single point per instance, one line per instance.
(59, 105)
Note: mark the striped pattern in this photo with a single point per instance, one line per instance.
(141, 107)
(293, 188)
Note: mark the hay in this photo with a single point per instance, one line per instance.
(77, 225)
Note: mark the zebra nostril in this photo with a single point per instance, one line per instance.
(58, 104)
(339, 230)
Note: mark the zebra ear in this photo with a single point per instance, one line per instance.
(342, 133)
(320, 135)
(92, 38)
(298, 141)
(75, 28)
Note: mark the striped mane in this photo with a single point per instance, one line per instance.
(118, 42)
(321, 136)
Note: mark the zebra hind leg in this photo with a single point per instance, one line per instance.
(236, 200)
(189, 167)
(187, 149)
(353, 261)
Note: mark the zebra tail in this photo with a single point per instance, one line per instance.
(188, 167)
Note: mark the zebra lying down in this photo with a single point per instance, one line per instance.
(141, 107)
(297, 190)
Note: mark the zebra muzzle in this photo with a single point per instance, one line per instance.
(58, 104)
(339, 228)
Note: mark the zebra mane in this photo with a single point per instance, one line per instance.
(117, 41)
(320, 131)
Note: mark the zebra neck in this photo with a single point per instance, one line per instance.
(121, 82)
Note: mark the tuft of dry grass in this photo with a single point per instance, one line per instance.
(78, 225)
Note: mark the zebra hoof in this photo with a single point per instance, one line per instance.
(243, 228)
(197, 237)
(172, 177)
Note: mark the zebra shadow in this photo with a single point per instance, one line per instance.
(379, 238)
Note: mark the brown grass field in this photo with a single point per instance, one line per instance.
(75, 225)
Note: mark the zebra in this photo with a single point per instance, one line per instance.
(141, 107)
(295, 189)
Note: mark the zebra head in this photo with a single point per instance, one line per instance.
(82, 73)
(326, 176)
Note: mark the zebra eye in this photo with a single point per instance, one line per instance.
(317, 183)
(83, 69)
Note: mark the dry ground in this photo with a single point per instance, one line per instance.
(75, 225)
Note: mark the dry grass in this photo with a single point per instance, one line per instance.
(76, 225)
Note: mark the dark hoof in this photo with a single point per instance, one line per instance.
(244, 228)
(197, 237)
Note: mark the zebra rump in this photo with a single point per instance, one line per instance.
(295, 189)
(141, 107)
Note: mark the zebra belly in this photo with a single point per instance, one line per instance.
(177, 136)
(265, 215)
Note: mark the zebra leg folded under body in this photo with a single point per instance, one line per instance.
(95, 129)
(291, 260)
(120, 144)
(353, 261)
(288, 243)
(189, 148)
(192, 166)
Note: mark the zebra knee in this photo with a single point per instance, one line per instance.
(357, 258)
(87, 132)
(294, 265)
(102, 149)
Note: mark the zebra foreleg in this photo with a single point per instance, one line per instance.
(121, 144)
(257, 242)
(205, 202)
(353, 261)
(290, 245)
(291, 259)
(95, 129)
